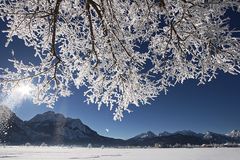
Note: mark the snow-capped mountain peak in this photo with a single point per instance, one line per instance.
(148, 134)
(234, 134)
(186, 132)
(164, 134)
(208, 135)
(48, 116)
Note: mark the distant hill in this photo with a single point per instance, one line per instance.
(55, 129)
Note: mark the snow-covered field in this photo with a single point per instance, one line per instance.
(75, 153)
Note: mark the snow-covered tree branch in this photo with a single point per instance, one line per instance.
(98, 44)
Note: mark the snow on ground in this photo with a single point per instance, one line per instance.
(76, 153)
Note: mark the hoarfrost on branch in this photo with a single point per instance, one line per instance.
(98, 44)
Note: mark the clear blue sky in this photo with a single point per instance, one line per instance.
(211, 107)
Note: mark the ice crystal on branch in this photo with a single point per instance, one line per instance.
(94, 43)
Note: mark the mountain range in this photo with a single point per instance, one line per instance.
(55, 129)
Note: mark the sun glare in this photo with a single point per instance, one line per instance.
(16, 96)
(24, 89)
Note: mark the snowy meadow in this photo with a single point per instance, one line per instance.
(64, 153)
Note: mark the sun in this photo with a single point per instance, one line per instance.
(24, 89)
(18, 94)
